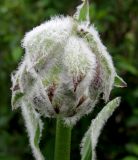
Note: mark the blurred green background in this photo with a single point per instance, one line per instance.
(117, 23)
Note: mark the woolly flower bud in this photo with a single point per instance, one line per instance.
(65, 69)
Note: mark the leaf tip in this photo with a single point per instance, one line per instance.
(119, 82)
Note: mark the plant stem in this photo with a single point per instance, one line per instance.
(63, 140)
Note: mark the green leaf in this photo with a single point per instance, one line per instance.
(86, 151)
(34, 128)
(82, 13)
(99, 122)
(119, 82)
(132, 148)
(90, 139)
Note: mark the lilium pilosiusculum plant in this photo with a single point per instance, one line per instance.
(64, 71)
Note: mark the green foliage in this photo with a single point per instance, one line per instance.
(117, 23)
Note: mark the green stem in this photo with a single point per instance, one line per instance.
(63, 141)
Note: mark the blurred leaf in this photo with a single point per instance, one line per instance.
(124, 64)
(8, 157)
(130, 158)
(16, 54)
(132, 148)
(132, 121)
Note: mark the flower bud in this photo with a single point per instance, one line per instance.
(65, 69)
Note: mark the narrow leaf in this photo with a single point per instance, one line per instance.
(34, 128)
(86, 151)
(90, 139)
(99, 122)
(119, 82)
(82, 13)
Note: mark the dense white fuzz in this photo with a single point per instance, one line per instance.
(105, 60)
(39, 99)
(17, 88)
(44, 39)
(85, 108)
(78, 57)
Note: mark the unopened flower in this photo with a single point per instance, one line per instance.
(64, 71)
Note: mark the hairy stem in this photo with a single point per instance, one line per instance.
(63, 140)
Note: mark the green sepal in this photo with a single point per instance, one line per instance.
(82, 13)
(119, 82)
